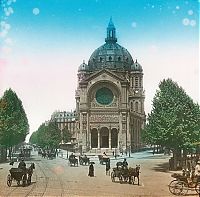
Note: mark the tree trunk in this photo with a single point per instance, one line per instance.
(176, 156)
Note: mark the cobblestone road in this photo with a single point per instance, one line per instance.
(56, 178)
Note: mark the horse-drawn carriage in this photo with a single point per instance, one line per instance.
(19, 175)
(51, 155)
(125, 174)
(84, 160)
(103, 159)
(182, 183)
(73, 160)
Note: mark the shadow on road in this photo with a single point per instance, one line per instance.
(163, 167)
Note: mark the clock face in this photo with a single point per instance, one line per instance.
(104, 96)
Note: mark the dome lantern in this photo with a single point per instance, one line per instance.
(111, 55)
(111, 32)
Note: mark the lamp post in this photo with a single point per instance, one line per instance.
(129, 148)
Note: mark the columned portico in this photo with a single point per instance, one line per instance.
(104, 138)
(109, 137)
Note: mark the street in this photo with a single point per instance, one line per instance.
(56, 178)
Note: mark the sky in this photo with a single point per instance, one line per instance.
(43, 42)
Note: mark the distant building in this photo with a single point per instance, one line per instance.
(109, 99)
(67, 120)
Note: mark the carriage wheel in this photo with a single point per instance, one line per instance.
(29, 180)
(112, 176)
(24, 180)
(183, 187)
(178, 187)
(9, 180)
(120, 178)
(125, 178)
(172, 187)
(131, 181)
(197, 188)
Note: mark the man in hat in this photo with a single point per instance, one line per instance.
(22, 165)
(197, 169)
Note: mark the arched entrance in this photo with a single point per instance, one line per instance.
(94, 138)
(104, 137)
(114, 138)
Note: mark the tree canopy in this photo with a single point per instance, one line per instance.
(13, 120)
(174, 121)
(49, 136)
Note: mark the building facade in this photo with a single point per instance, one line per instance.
(110, 99)
(66, 121)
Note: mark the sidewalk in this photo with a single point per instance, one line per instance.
(137, 155)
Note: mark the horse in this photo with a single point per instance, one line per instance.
(134, 172)
(44, 154)
(29, 172)
(73, 160)
(84, 160)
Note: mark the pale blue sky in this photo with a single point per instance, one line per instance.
(42, 43)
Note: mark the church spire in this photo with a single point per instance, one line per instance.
(111, 32)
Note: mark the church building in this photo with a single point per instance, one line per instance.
(110, 99)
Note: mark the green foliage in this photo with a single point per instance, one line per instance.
(13, 120)
(33, 139)
(66, 135)
(174, 121)
(48, 136)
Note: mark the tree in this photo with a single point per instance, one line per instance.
(47, 136)
(13, 120)
(66, 135)
(53, 134)
(174, 121)
(33, 139)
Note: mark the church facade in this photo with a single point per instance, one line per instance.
(110, 99)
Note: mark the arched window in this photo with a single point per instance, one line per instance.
(131, 106)
(119, 59)
(110, 58)
(101, 59)
(136, 82)
(140, 82)
(136, 106)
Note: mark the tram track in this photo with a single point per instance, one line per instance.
(57, 178)
(43, 167)
(38, 182)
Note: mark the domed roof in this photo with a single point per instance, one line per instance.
(110, 55)
(83, 67)
(136, 67)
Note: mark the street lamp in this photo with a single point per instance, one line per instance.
(129, 148)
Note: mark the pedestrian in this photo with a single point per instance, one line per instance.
(108, 167)
(91, 170)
